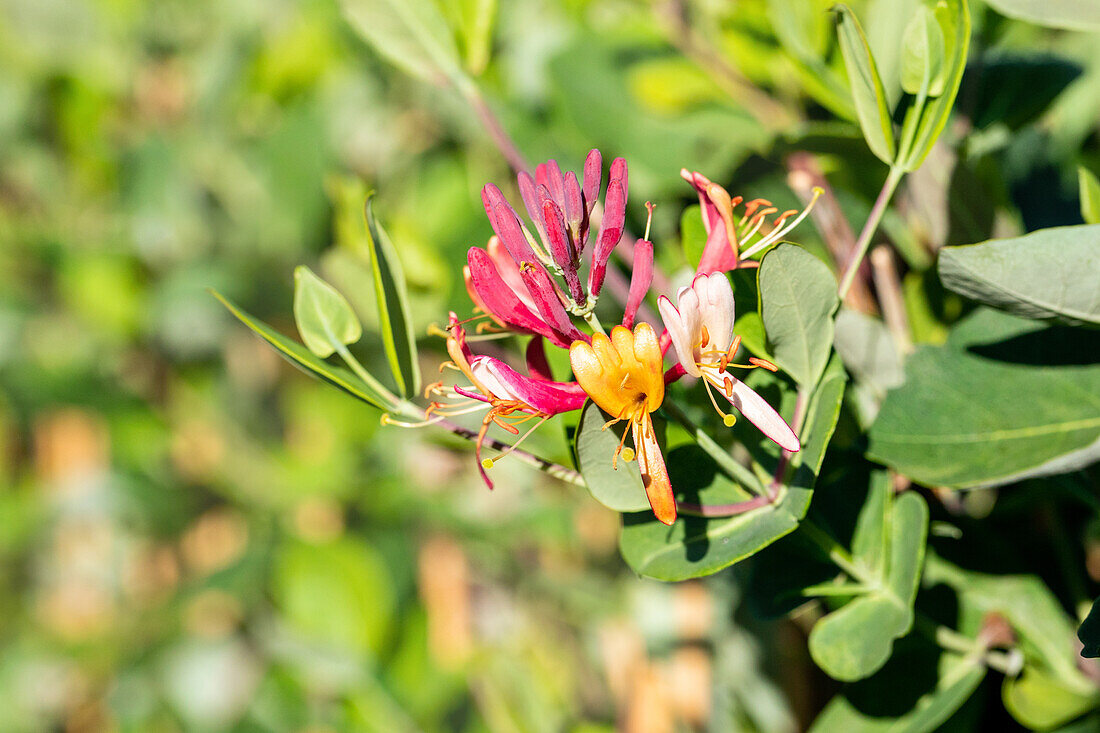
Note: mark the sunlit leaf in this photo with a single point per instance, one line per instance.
(1077, 15)
(371, 393)
(412, 34)
(325, 319)
(922, 55)
(959, 421)
(797, 302)
(393, 308)
(866, 86)
(1089, 188)
(1049, 274)
(619, 488)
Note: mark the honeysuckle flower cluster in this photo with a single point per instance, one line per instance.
(544, 279)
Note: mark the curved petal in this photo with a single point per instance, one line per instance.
(502, 301)
(651, 464)
(505, 382)
(678, 332)
(755, 408)
(718, 312)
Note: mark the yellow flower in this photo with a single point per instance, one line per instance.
(624, 376)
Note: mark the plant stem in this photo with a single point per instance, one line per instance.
(836, 553)
(491, 123)
(718, 453)
(550, 468)
(363, 374)
(692, 509)
(780, 477)
(953, 641)
(869, 228)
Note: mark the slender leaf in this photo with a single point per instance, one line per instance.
(393, 308)
(1089, 632)
(797, 302)
(922, 55)
(866, 86)
(412, 34)
(953, 17)
(1089, 187)
(1049, 274)
(373, 394)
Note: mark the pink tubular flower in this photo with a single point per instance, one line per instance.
(726, 235)
(701, 327)
(511, 280)
(508, 398)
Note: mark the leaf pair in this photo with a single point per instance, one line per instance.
(934, 51)
(328, 325)
(857, 640)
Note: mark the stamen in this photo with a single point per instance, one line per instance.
(727, 387)
(490, 462)
(763, 363)
(628, 454)
(706, 336)
(649, 219)
(781, 230)
(387, 419)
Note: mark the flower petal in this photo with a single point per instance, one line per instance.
(641, 277)
(593, 170)
(651, 464)
(502, 302)
(678, 331)
(716, 300)
(545, 295)
(755, 408)
(505, 382)
(611, 230)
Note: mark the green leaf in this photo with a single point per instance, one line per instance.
(965, 418)
(339, 594)
(325, 319)
(869, 541)
(797, 302)
(1048, 274)
(618, 488)
(372, 393)
(953, 17)
(868, 349)
(884, 703)
(1079, 15)
(1089, 187)
(693, 235)
(696, 546)
(866, 86)
(922, 55)
(412, 34)
(475, 25)
(857, 640)
(1089, 632)
(1041, 702)
(393, 308)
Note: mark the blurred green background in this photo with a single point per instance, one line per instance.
(194, 536)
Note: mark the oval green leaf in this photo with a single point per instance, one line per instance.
(922, 55)
(797, 302)
(411, 34)
(1089, 189)
(1049, 274)
(1076, 15)
(326, 321)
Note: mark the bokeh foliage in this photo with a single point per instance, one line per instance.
(194, 536)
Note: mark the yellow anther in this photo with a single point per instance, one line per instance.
(486, 463)
(728, 420)
(628, 454)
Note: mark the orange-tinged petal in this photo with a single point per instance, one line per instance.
(651, 463)
(607, 354)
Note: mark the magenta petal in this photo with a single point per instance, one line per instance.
(555, 181)
(511, 234)
(502, 302)
(548, 397)
(545, 295)
(560, 247)
(527, 189)
(619, 173)
(574, 204)
(640, 279)
(718, 255)
(611, 230)
(593, 169)
(538, 366)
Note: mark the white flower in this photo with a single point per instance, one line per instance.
(701, 328)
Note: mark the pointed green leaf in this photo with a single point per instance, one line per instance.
(1041, 701)
(869, 541)
(620, 487)
(1089, 632)
(393, 308)
(953, 18)
(1048, 274)
(371, 393)
(411, 34)
(866, 86)
(922, 55)
(797, 302)
(1089, 187)
(325, 319)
